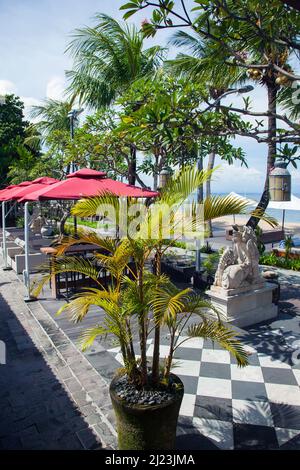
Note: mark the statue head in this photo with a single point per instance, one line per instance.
(236, 234)
(248, 234)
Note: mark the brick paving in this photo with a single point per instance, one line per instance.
(43, 404)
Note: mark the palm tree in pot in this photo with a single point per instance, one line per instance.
(138, 304)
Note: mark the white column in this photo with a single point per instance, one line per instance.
(26, 274)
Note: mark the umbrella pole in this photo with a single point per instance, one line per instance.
(283, 217)
(4, 245)
(75, 226)
(4, 249)
(26, 272)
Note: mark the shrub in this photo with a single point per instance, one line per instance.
(270, 259)
(20, 222)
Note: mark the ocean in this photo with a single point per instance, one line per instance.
(292, 217)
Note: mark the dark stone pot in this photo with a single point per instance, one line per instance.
(146, 427)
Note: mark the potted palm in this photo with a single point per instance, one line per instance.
(139, 303)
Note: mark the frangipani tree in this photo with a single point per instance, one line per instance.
(232, 41)
(164, 118)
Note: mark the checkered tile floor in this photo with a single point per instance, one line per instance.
(226, 407)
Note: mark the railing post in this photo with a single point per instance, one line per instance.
(4, 245)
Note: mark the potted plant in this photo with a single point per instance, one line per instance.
(138, 303)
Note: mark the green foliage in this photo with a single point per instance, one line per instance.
(162, 119)
(207, 248)
(260, 245)
(13, 128)
(288, 244)
(210, 263)
(270, 259)
(86, 223)
(20, 222)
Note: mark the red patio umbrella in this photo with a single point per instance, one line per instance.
(9, 189)
(11, 193)
(86, 183)
(26, 187)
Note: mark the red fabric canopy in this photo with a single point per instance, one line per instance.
(7, 187)
(86, 183)
(5, 193)
(27, 187)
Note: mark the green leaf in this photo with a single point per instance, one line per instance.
(129, 14)
(129, 5)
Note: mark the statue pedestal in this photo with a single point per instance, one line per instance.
(244, 306)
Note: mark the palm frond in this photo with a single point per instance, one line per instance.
(88, 337)
(77, 265)
(168, 302)
(223, 335)
(107, 59)
(80, 305)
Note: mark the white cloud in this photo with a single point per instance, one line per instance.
(56, 88)
(29, 101)
(7, 87)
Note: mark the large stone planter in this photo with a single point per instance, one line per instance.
(146, 427)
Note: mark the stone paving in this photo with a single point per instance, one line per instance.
(223, 407)
(43, 404)
(55, 397)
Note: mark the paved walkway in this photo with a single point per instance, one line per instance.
(42, 403)
(225, 407)
(54, 397)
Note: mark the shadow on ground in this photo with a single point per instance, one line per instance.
(36, 411)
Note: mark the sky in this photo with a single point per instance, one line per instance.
(33, 38)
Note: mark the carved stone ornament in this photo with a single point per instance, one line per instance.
(238, 266)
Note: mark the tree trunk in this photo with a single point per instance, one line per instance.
(210, 166)
(200, 188)
(132, 166)
(156, 346)
(143, 328)
(264, 200)
(155, 181)
(156, 172)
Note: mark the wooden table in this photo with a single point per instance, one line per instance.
(55, 281)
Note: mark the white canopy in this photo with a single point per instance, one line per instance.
(251, 202)
(292, 205)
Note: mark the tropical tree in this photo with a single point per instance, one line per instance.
(98, 144)
(54, 125)
(19, 141)
(108, 58)
(52, 115)
(165, 122)
(137, 299)
(234, 41)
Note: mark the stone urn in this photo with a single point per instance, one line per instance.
(47, 230)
